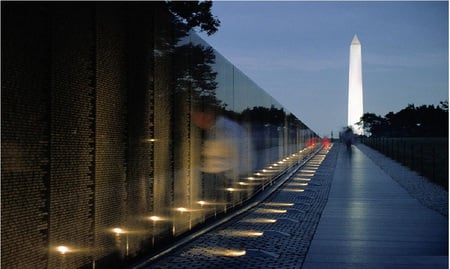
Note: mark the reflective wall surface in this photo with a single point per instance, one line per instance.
(121, 131)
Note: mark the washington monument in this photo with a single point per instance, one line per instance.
(355, 87)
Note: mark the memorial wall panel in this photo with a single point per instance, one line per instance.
(110, 191)
(140, 25)
(122, 130)
(72, 135)
(25, 139)
(163, 122)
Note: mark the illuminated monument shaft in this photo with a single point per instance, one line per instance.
(355, 88)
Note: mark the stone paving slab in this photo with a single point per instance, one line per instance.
(371, 221)
(275, 234)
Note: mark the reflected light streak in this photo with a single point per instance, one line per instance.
(241, 233)
(297, 184)
(292, 190)
(226, 252)
(302, 179)
(271, 210)
(259, 220)
(307, 174)
(279, 204)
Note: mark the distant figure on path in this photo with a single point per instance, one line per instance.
(347, 137)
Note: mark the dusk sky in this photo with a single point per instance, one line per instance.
(298, 52)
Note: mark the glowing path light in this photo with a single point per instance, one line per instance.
(62, 249)
(118, 231)
(355, 87)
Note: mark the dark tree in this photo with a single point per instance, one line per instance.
(264, 115)
(192, 71)
(374, 124)
(195, 14)
(193, 77)
(412, 121)
(444, 105)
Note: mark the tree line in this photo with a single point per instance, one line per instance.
(412, 121)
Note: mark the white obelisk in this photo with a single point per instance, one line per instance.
(355, 87)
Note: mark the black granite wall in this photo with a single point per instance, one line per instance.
(25, 130)
(97, 134)
(64, 132)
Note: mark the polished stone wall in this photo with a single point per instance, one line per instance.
(102, 150)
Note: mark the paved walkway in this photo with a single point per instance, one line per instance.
(340, 210)
(274, 234)
(372, 222)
